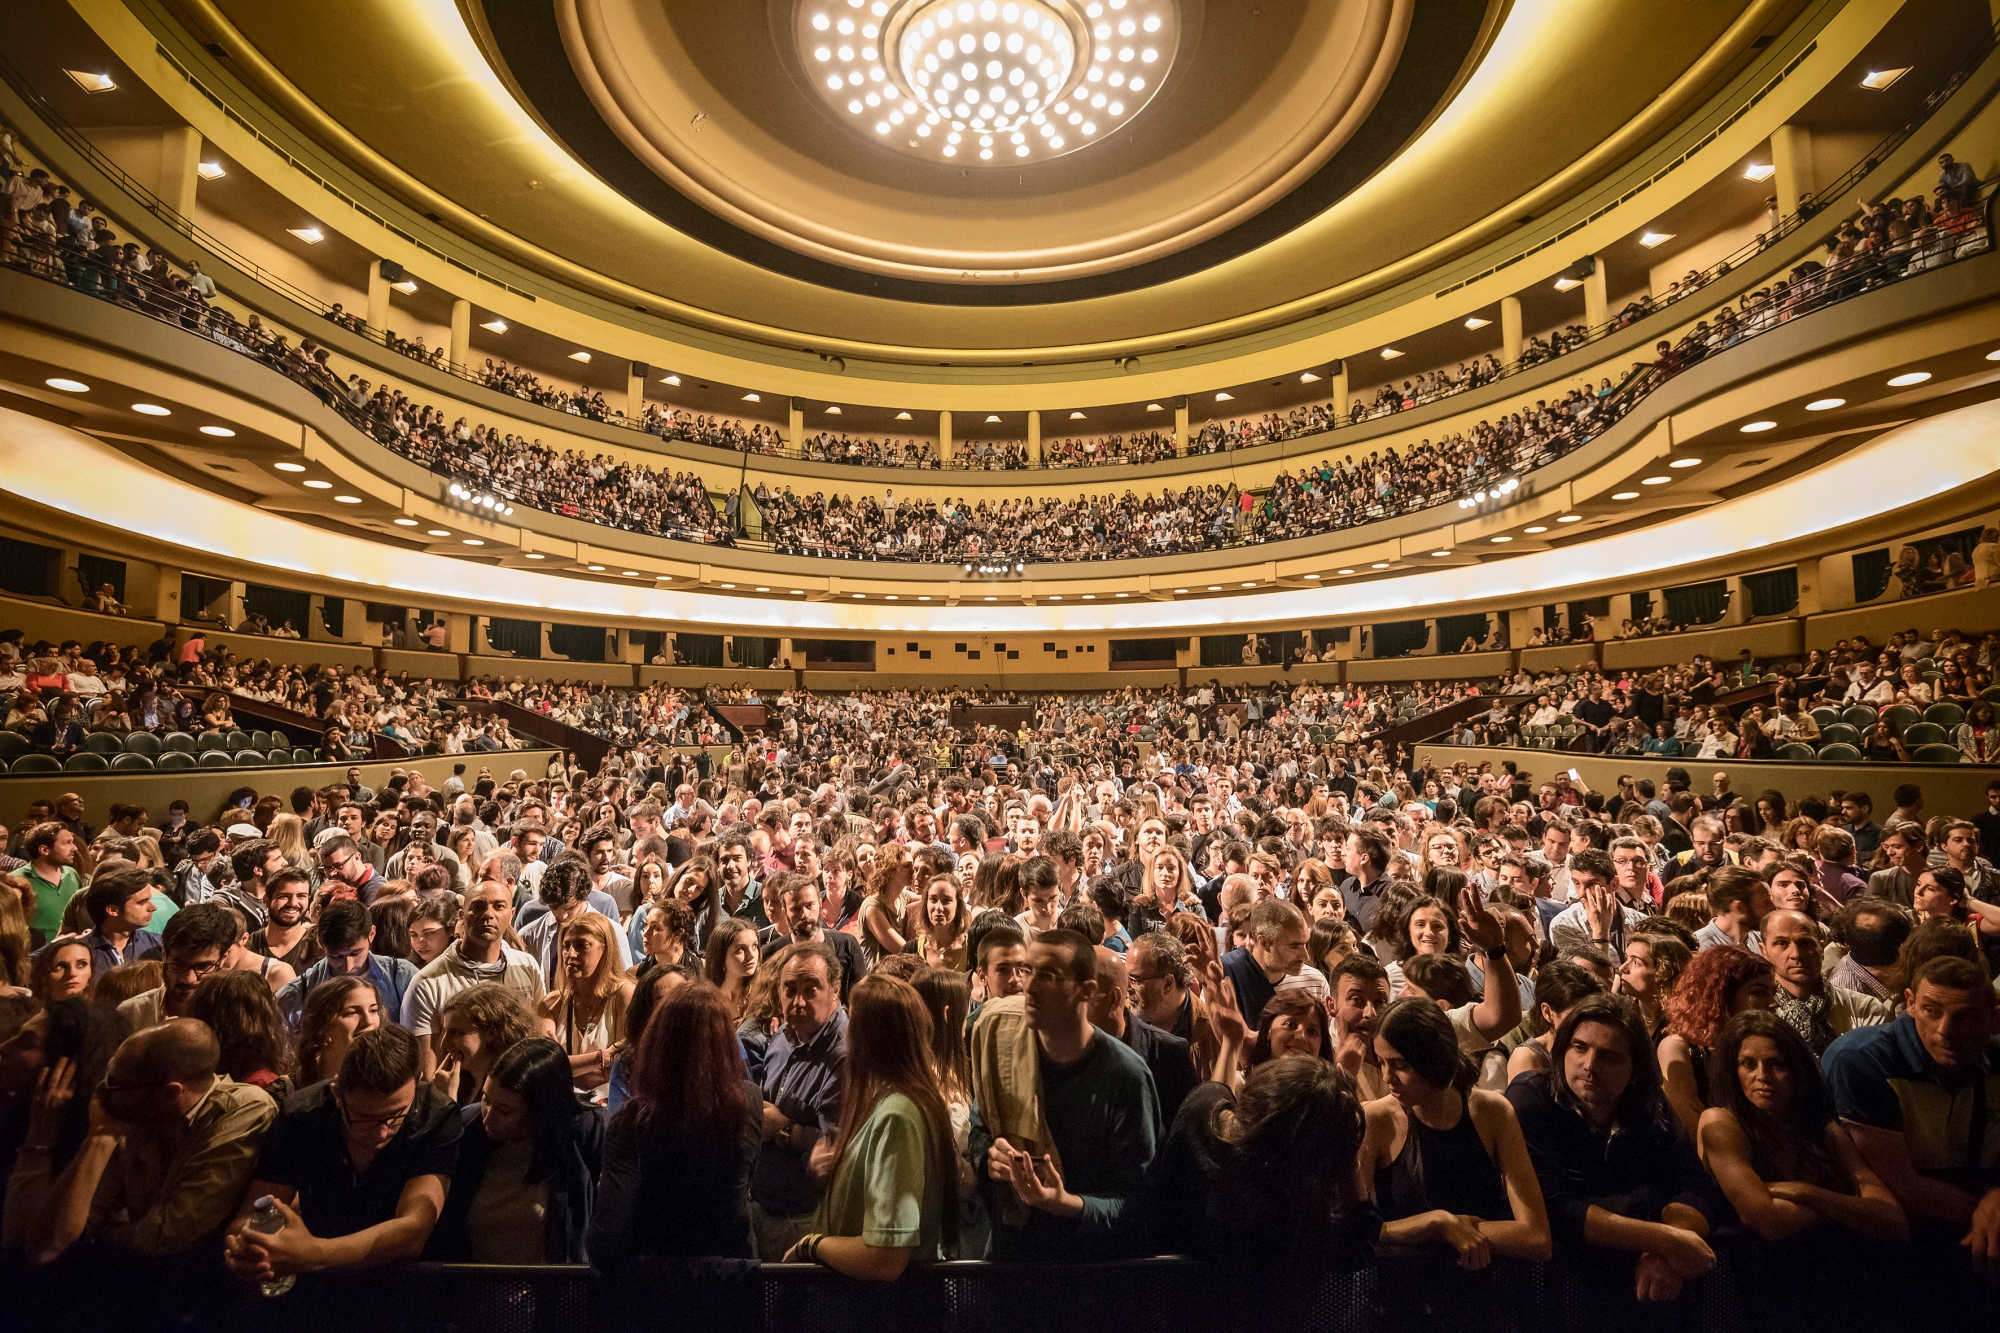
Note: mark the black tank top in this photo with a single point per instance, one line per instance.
(1443, 1168)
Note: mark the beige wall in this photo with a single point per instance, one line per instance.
(1776, 638)
(1948, 789)
(1562, 658)
(1970, 610)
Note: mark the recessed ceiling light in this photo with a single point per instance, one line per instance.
(1654, 481)
(1343, 571)
(536, 555)
(1477, 323)
(347, 499)
(753, 397)
(1993, 356)
(579, 356)
(1538, 528)
(671, 379)
(67, 386)
(1760, 171)
(859, 595)
(890, 597)
(665, 578)
(921, 599)
(1180, 591)
(1914, 377)
(903, 416)
(595, 569)
(152, 410)
(833, 409)
(991, 419)
(1570, 518)
(310, 235)
(1215, 587)
(1379, 564)
(1055, 599)
(210, 171)
(1758, 427)
(1440, 552)
(1825, 404)
(474, 541)
(219, 432)
(1685, 462)
(438, 532)
(319, 485)
(411, 523)
(1625, 495)
(800, 592)
(1154, 407)
(1308, 378)
(724, 585)
(1879, 79)
(1390, 353)
(495, 325)
(91, 83)
(763, 590)
(1310, 578)
(1250, 584)
(1088, 597)
(1566, 282)
(1076, 416)
(1224, 397)
(993, 599)
(629, 573)
(407, 286)
(1499, 540)
(1653, 239)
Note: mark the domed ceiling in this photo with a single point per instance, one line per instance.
(1000, 151)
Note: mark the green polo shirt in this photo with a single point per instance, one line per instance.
(51, 901)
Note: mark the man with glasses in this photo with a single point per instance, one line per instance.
(169, 1150)
(1161, 978)
(345, 931)
(341, 863)
(1606, 897)
(358, 1167)
(192, 946)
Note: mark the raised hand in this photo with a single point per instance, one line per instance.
(1482, 926)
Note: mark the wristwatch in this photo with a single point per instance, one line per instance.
(1495, 955)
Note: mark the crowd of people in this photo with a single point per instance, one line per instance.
(1130, 973)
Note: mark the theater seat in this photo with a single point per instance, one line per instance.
(1923, 733)
(131, 763)
(247, 758)
(35, 763)
(174, 759)
(1839, 753)
(104, 743)
(1839, 732)
(1938, 754)
(143, 742)
(214, 759)
(1944, 714)
(1796, 753)
(85, 761)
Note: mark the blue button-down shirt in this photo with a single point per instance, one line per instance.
(104, 955)
(391, 978)
(803, 1082)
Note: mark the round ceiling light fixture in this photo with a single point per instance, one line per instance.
(986, 82)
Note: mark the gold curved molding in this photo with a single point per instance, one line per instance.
(1686, 91)
(1348, 97)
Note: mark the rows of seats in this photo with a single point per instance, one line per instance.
(142, 751)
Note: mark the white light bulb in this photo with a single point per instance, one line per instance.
(820, 22)
(1153, 23)
(822, 54)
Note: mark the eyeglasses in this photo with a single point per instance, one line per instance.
(391, 1122)
(177, 966)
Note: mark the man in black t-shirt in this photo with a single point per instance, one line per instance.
(358, 1167)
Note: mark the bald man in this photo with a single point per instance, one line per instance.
(169, 1153)
(1818, 1009)
(1168, 1056)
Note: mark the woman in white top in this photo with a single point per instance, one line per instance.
(586, 1010)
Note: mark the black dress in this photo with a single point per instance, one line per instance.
(1422, 1285)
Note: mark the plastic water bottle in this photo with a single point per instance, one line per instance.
(266, 1220)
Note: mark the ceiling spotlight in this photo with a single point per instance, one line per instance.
(903, 416)
(1566, 282)
(1215, 587)
(407, 286)
(347, 499)
(1154, 407)
(1993, 356)
(595, 569)
(67, 386)
(1343, 571)
(1308, 378)
(1312, 578)
(91, 83)
(1379, 564)
(1440, 552)
(152, 410)
(1685, 462)
(1625, 495)
(579, 356)
(406, 522)
(1905, 381)
(763, 590)
(1653, 239)
(833, 409)
(674, 380)
(1654, 481)
(753, 397)
(438, 532)
(473, 541)
(1225, 397)
(1251, 584)
(495, 325)
(309, 234)
(992, 419)
(317, 485)
(1758, 427)
(1760, 171)
(1825, 404)
(220, 432)
(1477, 323)
(1076, 416)
(210, 171)
(1876, 81)
(1538, 528)
(1498, 540)
(1570, 518)
(536, 555)
(633, 574)
(1390, 353)
(291, 467)
(800, 592)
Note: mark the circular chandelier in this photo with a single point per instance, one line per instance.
(986, 82)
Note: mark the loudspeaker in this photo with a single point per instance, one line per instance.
(641, 369)
(1336, 367)
(392, 271)
(1180, 404)
(1583, 267)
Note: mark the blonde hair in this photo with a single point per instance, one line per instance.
(610, 972)
(289, 832)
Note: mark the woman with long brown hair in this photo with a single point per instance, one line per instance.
(586, 1010)
(679, 1152)
(338, 1010)
(935, 925)
(882, 910)
(892, 1186)
(732, 961)
(62, 970)
(1719, 984)
(240, 1009)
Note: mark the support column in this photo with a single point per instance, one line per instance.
(944, 438)
(1791, 154)
(1596, 295)
(1510, 330)
(378, 297)
(1181, 435)
(180, 154)
(1034, 437)
(795, 428)
(1341, 403)
(459, 636)
(461, 332)
(635, 390)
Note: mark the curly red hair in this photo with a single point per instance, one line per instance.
(1704, 995)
